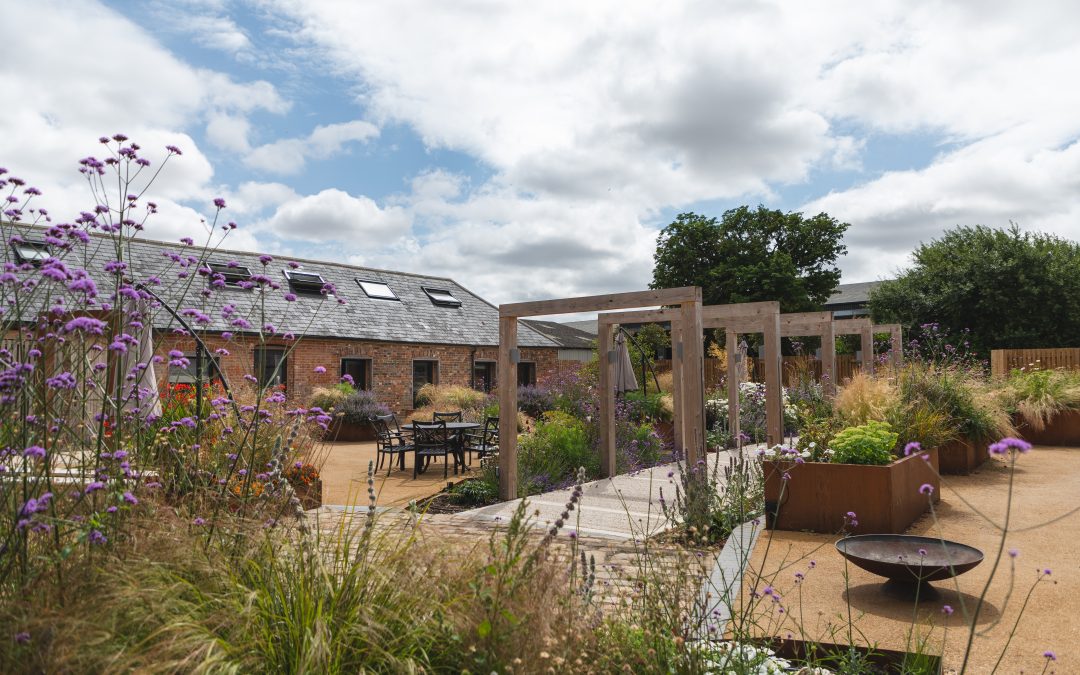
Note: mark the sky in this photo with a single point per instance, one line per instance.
(535, 150)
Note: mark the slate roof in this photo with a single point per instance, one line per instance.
(587, 326)
(414, 318)
(846, 294)
(562, 334)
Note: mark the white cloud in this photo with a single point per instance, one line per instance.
(334, 215)
(595, 117)
(289, 155)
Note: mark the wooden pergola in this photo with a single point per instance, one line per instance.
(815, 324)
(865, 330)
(896, 344)
(689, 359)
(737, 319)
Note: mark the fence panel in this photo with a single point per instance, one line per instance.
(1004, 360)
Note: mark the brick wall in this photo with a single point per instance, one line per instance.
(391, 363)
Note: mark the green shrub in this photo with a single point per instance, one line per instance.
(960, 397)
(647, 406)
(477, 491)
(870, 443)
(549, 457)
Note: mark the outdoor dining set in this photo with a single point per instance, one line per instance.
(447, 436)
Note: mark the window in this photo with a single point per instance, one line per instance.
(305, 282)
(34, 252)
(359, 370)
(484, 376)
(231, 273)
(270, 366)
(423, 372)
(187, 374)
(526, 374)
(377, 289)
(442, 298)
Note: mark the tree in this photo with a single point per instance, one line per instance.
(1013, 289)
(752, 255)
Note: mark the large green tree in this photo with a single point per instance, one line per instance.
(752, 255)
(1012, 289)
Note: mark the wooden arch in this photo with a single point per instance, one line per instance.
(689, 357)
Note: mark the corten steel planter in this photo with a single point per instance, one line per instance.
(885, 499)
(1062, 429)
(340, 430)
(836, 656)
(961, 456)
(310, 496)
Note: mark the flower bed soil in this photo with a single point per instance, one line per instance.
(885, 499)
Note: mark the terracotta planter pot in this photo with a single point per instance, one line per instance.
(310, 495)
(340, 430)
(961, 457)
(885, 499)
(1062, 429)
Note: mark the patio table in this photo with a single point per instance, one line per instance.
(457, 431)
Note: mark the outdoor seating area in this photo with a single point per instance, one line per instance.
(447, 437)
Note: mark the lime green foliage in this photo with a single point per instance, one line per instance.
(815, 433)
(1037, 395)
(870, 443)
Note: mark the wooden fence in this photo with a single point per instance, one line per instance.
(846, 366)
(1004, 360)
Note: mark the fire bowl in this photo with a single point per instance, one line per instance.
(908, 559)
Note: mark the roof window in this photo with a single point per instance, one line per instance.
(377, 289)
(442, 297)
(305, 282)
(232, 273)
(34, 252)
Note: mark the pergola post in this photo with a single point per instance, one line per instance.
(828, 359)
(676, 389)
(605, 333)
(507, 377)
(867, 339)
(774, 385)
(896, 342)
(734, 361)
(693, 385)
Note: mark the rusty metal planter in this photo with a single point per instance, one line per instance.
(310, 495)
(886, 499)
(961, 456)
(1062, 429)
(340, 430)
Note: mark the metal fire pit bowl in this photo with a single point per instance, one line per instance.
(907, 559)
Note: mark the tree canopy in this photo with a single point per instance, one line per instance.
(752, 255)
(1013, 289)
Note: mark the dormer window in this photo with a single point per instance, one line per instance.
(305, 282)
(442, 297)
(33, 252)
(232, 273)
(377, 289)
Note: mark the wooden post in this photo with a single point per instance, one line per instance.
(734, 363)
(774, 386)
(896, 335)
(828, 360)
(605, 332)
(676, 386)
(867, 336)
(693, 382)
(507, 376)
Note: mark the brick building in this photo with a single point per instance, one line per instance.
(395, 331)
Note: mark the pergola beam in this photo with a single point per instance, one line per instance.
(864, 328)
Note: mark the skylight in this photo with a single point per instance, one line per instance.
(233, 274)
(442, 297)
(34, 252)
(377, 289)
(305, 282)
